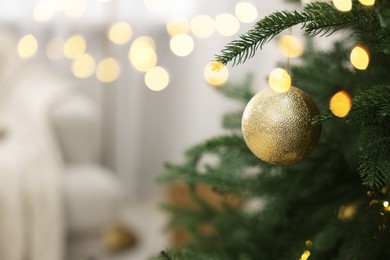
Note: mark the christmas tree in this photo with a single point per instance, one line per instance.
(332, 204)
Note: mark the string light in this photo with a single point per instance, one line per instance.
(216, 74)
(290, 46)
(75, 8)
(279, 80)
(177, 25)
(343, 5)
(245, 12)
(359, 57)
(347, 212)
(120, 33)
(308, 243)
(107, 70)
(60, 5)
(84, 66)
(305, 255)
(74, 46)
(202, 26)
(54, 48)
(157, 78)
(340, 104)
(227, 24)
(367, 2)
(142, 54)
(43, 11)
(385, 204)
(181, 45)
(143, 42)
(27, 46)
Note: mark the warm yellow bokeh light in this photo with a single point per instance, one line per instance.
(43, 11)
(246, 12)
(385, 204)
(84, 66)
(27, 46)
(359, 58)
(120, 33)
(343, 5)
(290, 46)
(143, 42)
(308, 243)
(107, 70)
(74, 46)
(216, 74)
(202, 26)
(60, 5)
(143, 58)
(75, 8)
(347, 212)
(367, 2)
(157, 78)
(181, 45)
(340, 104)
(279, 80)
(178, 25)
(227, 24)
(54, 48)
(142, 53)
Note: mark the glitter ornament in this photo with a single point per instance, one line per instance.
(277, 126)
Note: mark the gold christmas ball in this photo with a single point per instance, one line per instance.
(277, 126)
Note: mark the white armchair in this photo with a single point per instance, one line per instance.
(92, 193)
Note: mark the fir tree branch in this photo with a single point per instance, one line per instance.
(316, 18)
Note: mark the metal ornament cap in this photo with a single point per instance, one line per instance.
(277, 126)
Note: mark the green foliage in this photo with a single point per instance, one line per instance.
(324, 197)
(316, 19)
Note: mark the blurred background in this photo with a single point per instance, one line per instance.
(95, 96)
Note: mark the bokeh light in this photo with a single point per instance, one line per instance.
(340, 104)
(120, 33)
(178, 25)
(27, 46)
(107, 70)
(245, 12)
(84, 66)
(347, 212)
(182, 45)
(216, 74)
(75, 8)
(227, 24)
(343, 5)
(202, 26)
(143, 42)
(290, 46)
(60, 5)
(359, 57)
(43, 11)
(367, 2)
(157, 78)
(55, 48)
(308, 243)
(74, 46)
(279, 80)
(142, 54)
